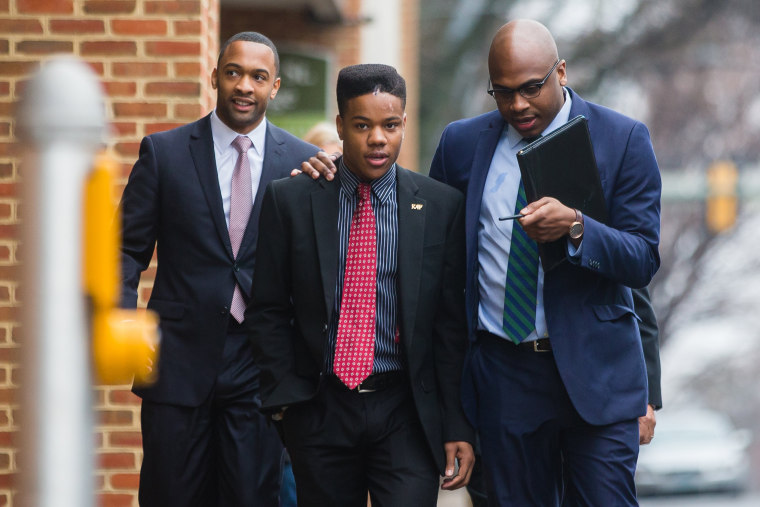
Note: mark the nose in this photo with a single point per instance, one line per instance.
(377, 136)
(244, 84)
(519, 103)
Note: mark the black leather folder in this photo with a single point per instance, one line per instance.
(562, 165)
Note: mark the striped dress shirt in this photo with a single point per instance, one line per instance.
(385, 207)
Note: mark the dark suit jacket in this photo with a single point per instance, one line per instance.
(650, 341)
(173, 199)
(589, 307)
(294, 295)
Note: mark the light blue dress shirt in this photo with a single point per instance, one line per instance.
(495, 237)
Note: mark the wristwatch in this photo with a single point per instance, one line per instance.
(576, 228)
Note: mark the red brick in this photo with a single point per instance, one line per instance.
(7, 438)
(9, 190)
(192, 27)
(124, 128)
(8, 355)
(5, 290)
(151, 128)
(8, 150)
(8, 480)
(5, 461)
(44, 47)
(77, 26)
(7, 108)
(138, 27)
(20, 25)
(98, 67)
(172, 48)
(45, 6)
(4, 46)
(5, 129)
(8, 394)
(187, 111)
(6, 213)
(125, 439)
(4, 7)
(123, 397)
(188, 69)
(129, 150)
(109, 6)
(6, 170)
(5, 256)
(175, 7)
(17, 68)
(125, 481)
(5, 419)
(114, 417)
(108, 47)
(144, 109)
(115, 499)
(116, 460)
(120, 88)
(174, 88)
(138, 69)
(5, 87)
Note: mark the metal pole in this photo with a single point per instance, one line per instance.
(63, 124)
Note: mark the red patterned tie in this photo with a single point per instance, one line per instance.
(241, 202)
(355, 346)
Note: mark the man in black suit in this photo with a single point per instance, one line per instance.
(361, 346)
(196, 192)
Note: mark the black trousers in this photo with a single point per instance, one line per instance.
(344, 444)
(223, 453)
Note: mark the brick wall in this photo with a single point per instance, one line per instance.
(154, 58)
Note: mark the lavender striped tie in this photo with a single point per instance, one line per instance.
(241, 202)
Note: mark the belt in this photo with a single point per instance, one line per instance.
(373, 383)
(540, 345)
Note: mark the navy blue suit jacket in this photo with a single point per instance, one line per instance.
(173, 199)
(589, 307)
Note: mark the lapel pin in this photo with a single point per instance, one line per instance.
(417, 207)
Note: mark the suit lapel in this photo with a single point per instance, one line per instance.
(411, 235)
(481, 162)
(202, 151)
(324, 205)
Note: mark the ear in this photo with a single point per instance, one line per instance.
(562, 73)
(275, 87)
(214, 78)
(339, 126)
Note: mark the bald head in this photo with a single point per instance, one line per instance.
(522, 40)
(523, 54)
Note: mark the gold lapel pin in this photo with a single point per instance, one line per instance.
(416, 206)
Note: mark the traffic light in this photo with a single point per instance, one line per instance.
(722, 200)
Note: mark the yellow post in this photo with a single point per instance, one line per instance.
(124, 342)
(722, 202)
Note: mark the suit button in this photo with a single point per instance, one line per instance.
(236, 267)
(324, 328)
(224, 310)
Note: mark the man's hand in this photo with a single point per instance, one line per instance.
(646, 426)
(320, 164)
(461, 451)
(546, 219)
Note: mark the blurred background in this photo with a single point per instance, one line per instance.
(687, 68)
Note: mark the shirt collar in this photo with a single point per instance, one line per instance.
(381, 187)
(223, 135)
(560, 119)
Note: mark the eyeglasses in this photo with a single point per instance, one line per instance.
(528, 91)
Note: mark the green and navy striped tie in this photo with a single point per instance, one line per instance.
(522, 280)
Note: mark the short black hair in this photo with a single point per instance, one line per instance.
(356, 80)
(251, 37)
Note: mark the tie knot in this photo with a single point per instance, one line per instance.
(242, 143)
(363, 191)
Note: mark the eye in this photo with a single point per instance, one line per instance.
(232, 73)
(530, 90)
(260, 77)
(392, 125)
(361, 126)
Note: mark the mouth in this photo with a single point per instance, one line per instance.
(525, 124)
(242, 104)
(377, 158)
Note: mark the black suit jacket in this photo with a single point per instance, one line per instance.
(173, 199)
(294, 295)
(650, 342)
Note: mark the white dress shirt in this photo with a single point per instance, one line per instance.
(226, 156)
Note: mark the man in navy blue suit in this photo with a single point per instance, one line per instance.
(567, 391)
(196, 192)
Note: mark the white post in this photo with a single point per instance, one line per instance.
(63, 124)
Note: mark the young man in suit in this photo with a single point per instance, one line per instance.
(196, 192)
(361, 345)
(567, 391)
